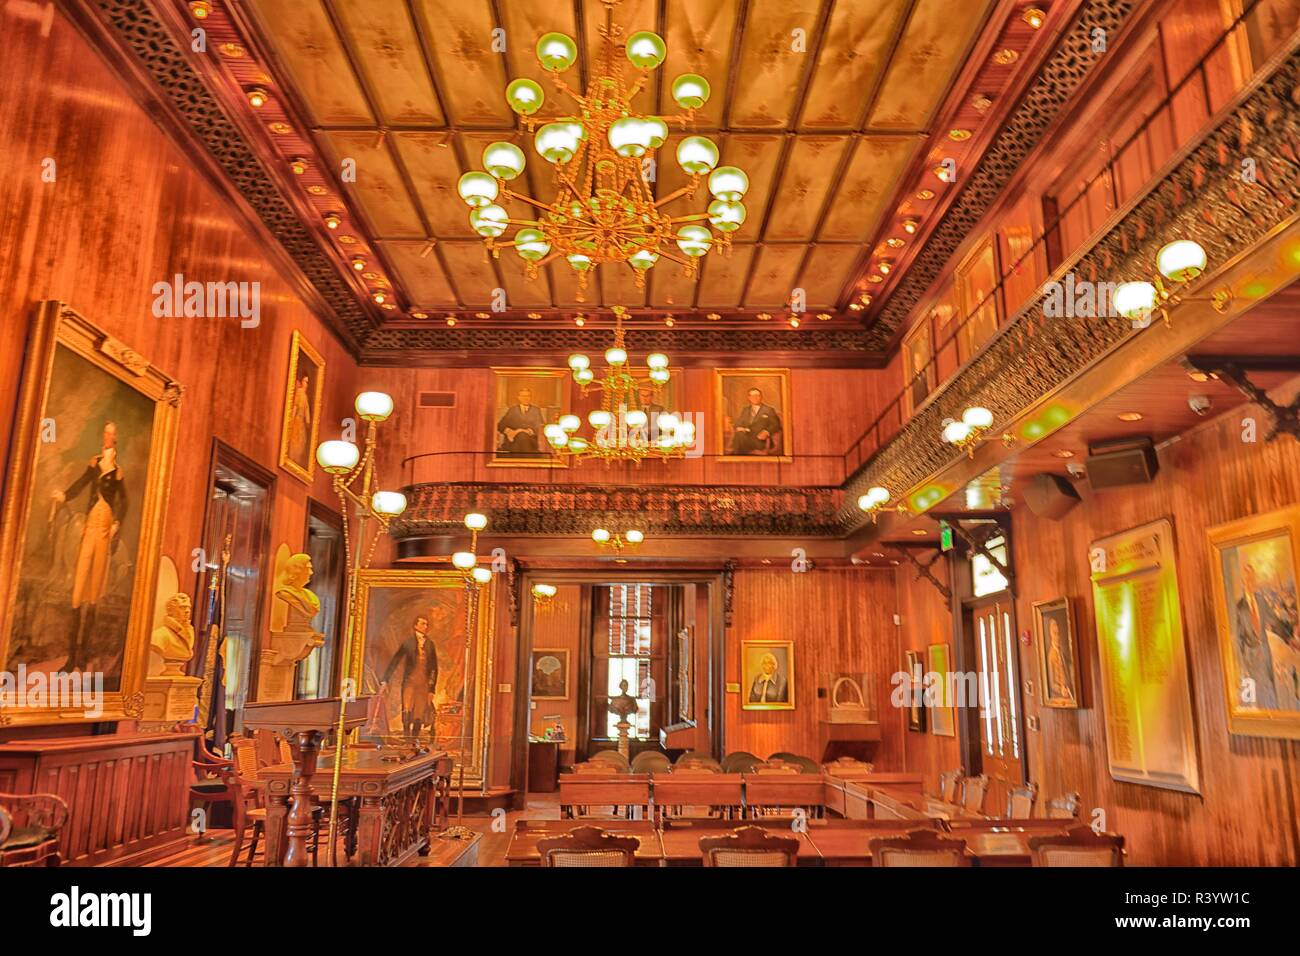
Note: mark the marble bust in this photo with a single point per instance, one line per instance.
(171, 644)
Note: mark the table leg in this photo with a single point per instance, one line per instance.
(301, 823)
(427, 818)
(370, 828)
(277, 812)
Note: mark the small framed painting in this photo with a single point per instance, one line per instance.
(767, 675)
(915, 692)
(753, 414)
(550, 673)
(1058, 654)
(943, 721)
(302, 401)
(525, 401)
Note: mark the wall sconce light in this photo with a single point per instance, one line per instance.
(1177, 263)
(543, 595)
(876, 500)
(968, 431)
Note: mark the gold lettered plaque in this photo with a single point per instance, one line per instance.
(1150, 731)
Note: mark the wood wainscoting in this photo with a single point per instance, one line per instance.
(127, 796)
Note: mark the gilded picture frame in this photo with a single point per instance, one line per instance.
(943, 717)
(760, 688)
(731, 388)
(1058, 654)
(512, 448)
(388, 603)
(76, 382)
(554, 686)
(915, 671)
(1253, 564)
(300, 423)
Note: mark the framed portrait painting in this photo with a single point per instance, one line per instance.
(550, 673)
(767, 675)
(525, 401)
(1058, 654)
(943, 721)
(302, 401)
(915, 692)
(88, 479)
(752, 409)
(1253, 564)
(411, 657)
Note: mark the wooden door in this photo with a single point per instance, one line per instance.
(1001, 742)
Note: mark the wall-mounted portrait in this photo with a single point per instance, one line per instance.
(302, 403)
(767, 675)
(88, 475)
(753, 414)
(915, 669)
(550, 673)
(1253, 562)
(943, 718)
(410, 658)
(1058, 653)
(526, 400)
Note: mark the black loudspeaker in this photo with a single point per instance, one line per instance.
(1050, 496)
(1128, 461)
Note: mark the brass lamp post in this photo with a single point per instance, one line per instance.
(466, 562)
(352, 472)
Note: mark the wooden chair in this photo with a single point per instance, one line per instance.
(774, 766)
(588, 846)
(800, 764)
(697, 766)
(698, 757)
(1079, 846)
(215, 783)
(749, 846)
(30, 824)
(948, 781)
(604, 767)
(251, 806)
(1021, 800)
(974, 791)
(740, 762)
(1064, 807)
(612, 757)
(918, 848)
(651, 761)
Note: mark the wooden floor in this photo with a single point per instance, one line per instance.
(490, 846)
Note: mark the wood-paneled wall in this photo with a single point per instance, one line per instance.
(559, 626)
(926, 620)
(841, 621)
(1248, 811)
(127, 209)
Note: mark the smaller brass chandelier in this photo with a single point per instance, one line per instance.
(876, 500)
(618, 541)
(622, 429)
(968, 431)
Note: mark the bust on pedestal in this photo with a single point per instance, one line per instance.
(291, 636)
(169, 695)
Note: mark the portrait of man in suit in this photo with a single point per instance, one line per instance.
(416, 665)
(520, 428)
(1264, 636)
(753, 409)
(526, 401)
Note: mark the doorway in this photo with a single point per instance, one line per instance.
(316, 675)
(1001, 747)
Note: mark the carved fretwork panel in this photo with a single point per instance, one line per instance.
(1204, 199)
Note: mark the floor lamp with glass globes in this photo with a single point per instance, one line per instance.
(466, 562)
(352, 474)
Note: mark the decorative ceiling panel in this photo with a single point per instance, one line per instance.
(774, 60)
(865, 187)
(809, 176)
(700, 37)
(470, 75)
(381, 39)
(420, 268)
(850, 63)
(379, 190)
(774, 276)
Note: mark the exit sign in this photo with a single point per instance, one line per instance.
(945, 536)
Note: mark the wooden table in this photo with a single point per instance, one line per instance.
(848, 842)
(1004, 842)
(395, 797)
(890, 803)
(522, 850)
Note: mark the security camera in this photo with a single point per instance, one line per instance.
(1200, 404)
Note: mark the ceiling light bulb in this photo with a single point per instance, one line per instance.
(646, 50)
(503, 160)
(388, 503)
(600, 536)
(1134, 300)
(556, 52)
(583, 376)
(464, 560)
(599, 418)
(697, 155)
(694, 240)
(1181, 260)
(615, 356)
(257, 97)
(910, 226)
(634, 536)
(637, 418)
(726, 216)
(656, 360)
(691, 91)
(332, 220)
(488, 221)
(668, 422)
(728, 183)
(570, 423)
(556, 143)
(477, 189)
(577, 360)
(977, 417)
(525, 96)
(475, 521)
(642, 259)
(659, 375)
(579, 262)
(956, 432)
(531, 245)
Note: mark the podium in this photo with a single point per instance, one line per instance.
(307, 722)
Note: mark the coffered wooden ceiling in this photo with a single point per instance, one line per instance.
(838, 110)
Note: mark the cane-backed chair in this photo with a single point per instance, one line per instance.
(1064, 807)
(948, 784)
(30, 824)
(651, 761)
(588, 846)
(920, 848)
(749, 847)
(974, 791)
(611, 757)
(740, 762)
(1021, 800)
(1079, 846)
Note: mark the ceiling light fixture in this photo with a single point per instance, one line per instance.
(968, 431)
(1178, 264)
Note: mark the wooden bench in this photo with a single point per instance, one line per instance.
(721, 791)
(579, 791)
(780, 791)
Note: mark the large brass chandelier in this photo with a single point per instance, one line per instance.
(626, 427)
(604, 210)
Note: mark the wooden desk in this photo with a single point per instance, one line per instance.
(604, 790)
(396, 804)
(697, 790)
(890, 804)
(848, 842)
(681, 839)
(782, 790)
(1002, 842)
(543, 766)
(522, 850)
